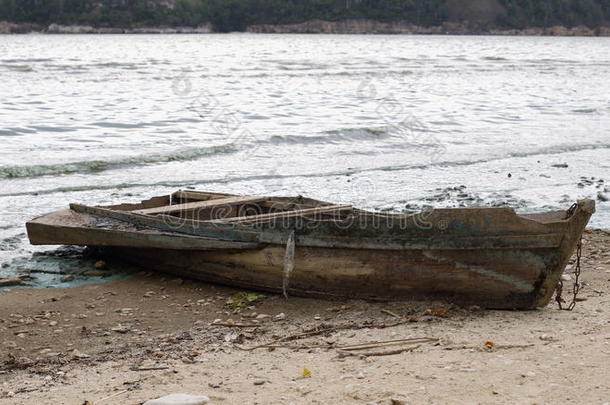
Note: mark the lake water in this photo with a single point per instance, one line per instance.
(382, 122)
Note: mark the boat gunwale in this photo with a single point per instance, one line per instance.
(392, 242)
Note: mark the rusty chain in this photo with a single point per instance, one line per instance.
(575, 286)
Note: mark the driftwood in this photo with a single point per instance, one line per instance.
(7, 282)
(316, 332)
(343, 353)
(356, 347)
(235, 325)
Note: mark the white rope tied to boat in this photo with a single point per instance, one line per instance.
(288, 263)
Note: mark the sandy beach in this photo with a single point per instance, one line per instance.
(129, 341)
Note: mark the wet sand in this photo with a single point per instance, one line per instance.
(128, 341)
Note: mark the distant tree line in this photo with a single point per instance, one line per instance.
(235, 15)
(545, 13)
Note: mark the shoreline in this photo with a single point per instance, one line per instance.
(342, 27)
(153, 335)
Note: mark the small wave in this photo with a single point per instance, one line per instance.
(15, 131)
(585, 110)
(18, 68)
(94, 166)
(103, 124)
(305, 75)
(274, 175)
(333, 137)
(494, 58)
(45, 128)
(26, 60)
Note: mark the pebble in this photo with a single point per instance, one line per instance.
(79, 355)
(100, 264)
(279, 317)
(528, 374)
(566, 277)
(91, 273)
(121, 329)
(259, 381)
(262, 316)
(179, 399)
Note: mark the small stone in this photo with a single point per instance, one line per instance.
(566, 277)
(91, 273)
(179, 399)
(317, 317)
(121, 329)
(67, 279)
(528, 374)
(263, 316)
(79, 355)
(259, 381)
(100, 264)
(53, 323)
(279, 317)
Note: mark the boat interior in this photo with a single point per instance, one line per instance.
(251, 210)
(230, 208)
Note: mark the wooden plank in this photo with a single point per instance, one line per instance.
(42, 232)
(172, 224)
(169, 209)
(199, 195)
(252, 219)
(552, 240)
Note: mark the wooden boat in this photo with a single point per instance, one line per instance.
(491, 257)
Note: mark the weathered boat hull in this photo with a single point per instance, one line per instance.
(488, 278)
(489, 257)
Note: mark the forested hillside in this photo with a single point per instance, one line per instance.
(235, 15)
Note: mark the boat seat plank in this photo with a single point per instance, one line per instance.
(170, 209)
(199, 195)
(285, 214)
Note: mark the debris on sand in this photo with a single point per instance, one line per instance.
(179, 399)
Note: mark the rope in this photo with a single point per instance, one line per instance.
(288, 263)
